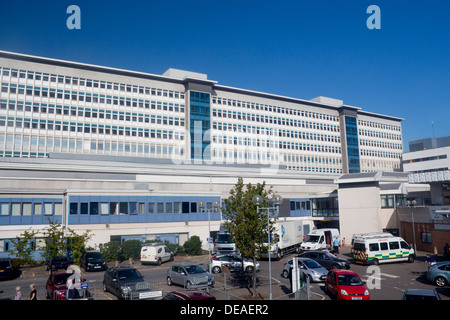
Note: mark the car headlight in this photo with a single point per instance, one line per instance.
(343, 292)
(125, 290)
(366, 293)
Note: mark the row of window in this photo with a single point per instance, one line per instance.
(274, 109)
(89, 128)
(380, 134)
(23, 144)
(381, 144)
(30, 208)
(273, 142)
(274, 120)
(94, 98)
(438, 157)
(378, 125)
(131, 207)
(11, 74)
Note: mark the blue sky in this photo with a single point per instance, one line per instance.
(301, 49)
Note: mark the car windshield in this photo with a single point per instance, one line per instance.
(349, 280)
(312, 264)
(94, 256)
(61, 279)
(193, 269)
(311, 238)
(224, 238)
(129, 274)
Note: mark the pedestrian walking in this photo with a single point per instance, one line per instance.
(18, 295)
(33, 293)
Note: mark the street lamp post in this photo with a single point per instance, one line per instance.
(201, 205)
(412, 204)
(276, 201)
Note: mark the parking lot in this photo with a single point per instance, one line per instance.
(385, 282)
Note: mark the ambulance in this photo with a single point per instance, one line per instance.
(375, 248)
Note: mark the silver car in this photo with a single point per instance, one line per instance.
(234, 262)
(189, 275)
(311, 268)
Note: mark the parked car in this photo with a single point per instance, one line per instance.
(234, 262)
(311, 268)
(421, 294)
(125, 282)
(57, 285)
(345, 285)
(439, 273)
(155, 253)
(57, 264)
(189, 275)
(188, 295)
(93, 261)
(6, 268)
(326, 259)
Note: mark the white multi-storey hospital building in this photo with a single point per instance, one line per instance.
(131, 153)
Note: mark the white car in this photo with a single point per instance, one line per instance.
(234, 262)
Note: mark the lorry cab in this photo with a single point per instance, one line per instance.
(320, 239)
(381, 248)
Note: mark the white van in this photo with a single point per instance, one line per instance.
(381, 248)
(320, 239)
(155, 253)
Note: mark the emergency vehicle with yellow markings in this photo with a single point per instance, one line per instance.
(375, 248)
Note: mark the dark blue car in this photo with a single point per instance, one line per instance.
(57, 264)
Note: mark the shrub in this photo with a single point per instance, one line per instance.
(193, 246)
(131, 249)
(110, 251)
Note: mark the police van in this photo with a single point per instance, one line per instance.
(375, 248)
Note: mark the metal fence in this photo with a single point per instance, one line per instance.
(142, 291)
(239, 286)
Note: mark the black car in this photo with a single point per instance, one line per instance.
(93, 261)
(125, 282)
(326, 259)
(6, 269)
(57, 264)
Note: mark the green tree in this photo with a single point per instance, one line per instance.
(248, 227)
(58, 241)
(22, 247)
(55, 241)
(77, 244)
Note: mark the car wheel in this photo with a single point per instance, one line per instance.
(440, 281)
(411, 259)
(285, 274)
(335, 266)
(169, 281)
(375, 262)
(249, 269)
(171, 257)
(216, 269)
(188, 285)
(159, 262)
(104, 288)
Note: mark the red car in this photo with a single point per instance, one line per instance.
(346, 285)
(56, 286)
